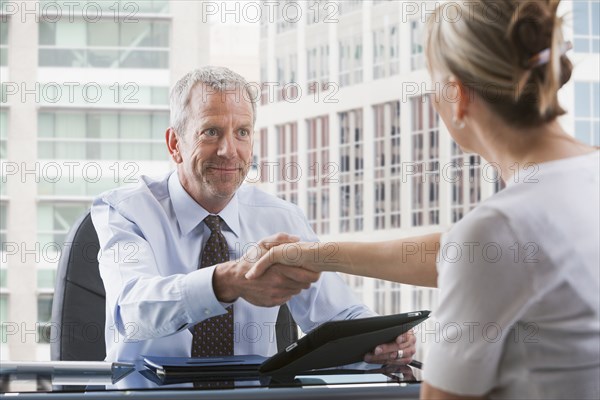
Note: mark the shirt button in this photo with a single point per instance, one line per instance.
(206, 311)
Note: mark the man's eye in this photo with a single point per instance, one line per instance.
(211, 132)
(244, 132)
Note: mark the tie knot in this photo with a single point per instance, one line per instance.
(213, 222)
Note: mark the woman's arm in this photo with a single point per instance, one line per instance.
(411, 261)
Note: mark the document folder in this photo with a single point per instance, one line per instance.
(332, 344)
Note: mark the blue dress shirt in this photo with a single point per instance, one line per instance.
(151, 236)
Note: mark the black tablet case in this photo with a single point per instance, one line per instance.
(338, 343)
(332, 344)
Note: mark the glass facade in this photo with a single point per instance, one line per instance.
(387, 166)
(54, 219)
(321, 172)
(288, 169)
(104, 44)
(3, 135)
(425, 163)
(464, 175)
(102, 135)
(351, 60)
(586, 26)
(3, 42)
(587, 112)
(317, 68)
(417, 57)
(3, 225)
(351, 171)
(263, 156)
(386, 52)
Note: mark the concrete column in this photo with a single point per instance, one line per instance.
(22, 214)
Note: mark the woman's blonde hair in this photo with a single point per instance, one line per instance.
(493, 48)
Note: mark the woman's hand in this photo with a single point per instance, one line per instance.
(291, 254)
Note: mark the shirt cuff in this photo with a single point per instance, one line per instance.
(447, 371)
(199, 296)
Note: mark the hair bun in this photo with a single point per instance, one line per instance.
(531, 30)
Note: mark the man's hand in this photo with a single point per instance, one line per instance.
(275, 287)
(278, 255)
(399, 352)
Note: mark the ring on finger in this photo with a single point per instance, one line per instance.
(400, 354)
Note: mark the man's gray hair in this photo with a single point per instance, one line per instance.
(220, 79)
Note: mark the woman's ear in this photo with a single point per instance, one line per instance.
(460, 98)
(173, 145)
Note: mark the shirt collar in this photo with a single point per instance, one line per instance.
(189, 213)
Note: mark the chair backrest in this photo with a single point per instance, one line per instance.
(78, 314)
(78, 307)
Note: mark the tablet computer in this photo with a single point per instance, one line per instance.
(338, 343)
(332, 344)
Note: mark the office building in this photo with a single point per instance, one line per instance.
(84, 109)
(348, 133)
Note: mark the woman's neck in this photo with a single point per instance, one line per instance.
(516, 148)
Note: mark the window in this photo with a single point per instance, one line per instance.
(44, 311)
(350, 62)
(263, 156)
(3, 135)
(417, 58)
(425, 159)
(387, 297)
(4, 302)
(288, 169)
(351, 171)
(264, 23)
(385, 52)
(394, 50)
(46, 278)
(125, 6)
(587, 114)
(378, 53)
(387, 165)
(87, 186)
(129, 94)
(317, 68)
(3, 225)
(465, 178)
(104, 44)
(348, 6)
(102, 135)
(356, 283)
(264, 80)
(320, 173)
(286, 77)
(3, 42)
(586, 26)
(55, 219)
(285, 15)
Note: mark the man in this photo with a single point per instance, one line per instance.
(170, 290)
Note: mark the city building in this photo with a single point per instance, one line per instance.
(84, 109)
(347, 130)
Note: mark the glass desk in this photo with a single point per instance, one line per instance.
(356, 381)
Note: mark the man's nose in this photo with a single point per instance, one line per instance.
(227, 146)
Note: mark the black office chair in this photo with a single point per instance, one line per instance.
(78, 313)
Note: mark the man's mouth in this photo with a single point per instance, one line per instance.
(218, 170)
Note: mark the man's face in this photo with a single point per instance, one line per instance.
(215, 151)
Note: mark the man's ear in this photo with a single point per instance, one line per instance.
(173, 145)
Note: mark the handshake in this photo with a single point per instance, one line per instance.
(261, 277)
(279, 268)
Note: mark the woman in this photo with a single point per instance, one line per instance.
(518, 276)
